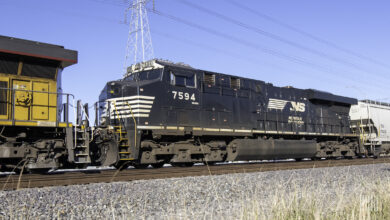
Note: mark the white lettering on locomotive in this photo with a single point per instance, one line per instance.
(281, 104)
(298, 106)
(183, 96)
(295, 120)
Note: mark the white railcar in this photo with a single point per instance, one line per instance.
(371, 120)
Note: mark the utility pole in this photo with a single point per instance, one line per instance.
(139, 44)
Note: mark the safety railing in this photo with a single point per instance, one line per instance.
(105, 112)
(10, 104)
(373, 102)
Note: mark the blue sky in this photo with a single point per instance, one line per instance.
(95, 28)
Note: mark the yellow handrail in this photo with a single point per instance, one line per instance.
(120, 124)
(135, 125)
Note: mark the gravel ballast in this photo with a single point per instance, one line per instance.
(226, 196)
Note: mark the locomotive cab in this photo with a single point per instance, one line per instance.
(30, 81)
(34, 125)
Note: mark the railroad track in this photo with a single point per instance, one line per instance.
(12, 182)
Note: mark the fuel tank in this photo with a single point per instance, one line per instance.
(260, 149)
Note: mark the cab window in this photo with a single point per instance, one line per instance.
(187, 80)
(3, 97)
(145, 75)
(8, 64)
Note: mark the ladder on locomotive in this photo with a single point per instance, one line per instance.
(123, 142)
(82, 137)
(81, 151)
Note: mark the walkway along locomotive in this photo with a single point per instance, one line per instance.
(161, 112)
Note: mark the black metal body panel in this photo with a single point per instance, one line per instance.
(248, 105)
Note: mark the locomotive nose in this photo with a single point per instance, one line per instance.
(119, 88)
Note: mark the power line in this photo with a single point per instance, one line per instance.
(124, 3)
(308, 35)
(333, 79)
(207, 30)
(252, 59)
(274, 36)
(248, 59)
(251, 45)
(239, 40)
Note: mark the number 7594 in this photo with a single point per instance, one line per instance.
(183, 95)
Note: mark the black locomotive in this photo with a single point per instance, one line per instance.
(172, 113)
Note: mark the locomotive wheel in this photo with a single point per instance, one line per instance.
(190, 164)
(121, 165)
(141, 166)
(157, 165)
(81, 166)
(187, 164)
(3, 168)
(105, 154)
(40, 171)
(20, 170)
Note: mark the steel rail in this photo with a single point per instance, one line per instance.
(12, 182)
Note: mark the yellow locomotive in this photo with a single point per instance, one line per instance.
(35, 132)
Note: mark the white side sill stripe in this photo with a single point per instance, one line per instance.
(146, 127)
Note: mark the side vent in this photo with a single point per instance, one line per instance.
(209, 79)
(234, 83)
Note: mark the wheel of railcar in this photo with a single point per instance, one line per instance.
(40, 171)
(20, 170)
(105, 154)
(190, 164)
(209, 163)
(3, 168)
(141, 166)
(187, 164)
(157, 165)
(81, 166)
(121, 166)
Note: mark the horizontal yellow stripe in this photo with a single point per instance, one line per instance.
(27, 123)
(63, 124)
(5, 122)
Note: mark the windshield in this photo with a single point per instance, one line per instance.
(145, 75)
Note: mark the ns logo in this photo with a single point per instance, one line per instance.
(280, 104)
(298, 106)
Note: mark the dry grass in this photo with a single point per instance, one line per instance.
(369, 199)
(334, 193)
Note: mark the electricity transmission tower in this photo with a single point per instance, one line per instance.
(139, 44)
